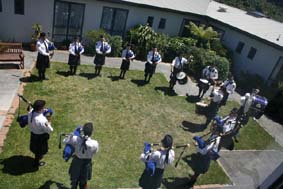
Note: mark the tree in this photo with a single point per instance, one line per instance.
(202, 34)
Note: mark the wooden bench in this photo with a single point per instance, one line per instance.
(12, 52)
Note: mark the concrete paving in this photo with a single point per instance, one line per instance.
(245, 168)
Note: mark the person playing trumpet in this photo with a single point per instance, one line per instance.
(161, 157)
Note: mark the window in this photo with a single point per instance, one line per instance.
(240, 47)
(19, 7)
(252, 53)
(68, 20)
(0, 5)
(150, 20)
(114, 20)
(162, 23)
(184, 31)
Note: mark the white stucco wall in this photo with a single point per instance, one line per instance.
(263, 62)
(16, 27)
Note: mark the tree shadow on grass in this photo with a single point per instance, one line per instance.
(173, 183)
(139, 83)
(18, 165)
(30, 79)
(89, 76)
(52, 184)
(166, 90)
(193, 127)
(63, 73)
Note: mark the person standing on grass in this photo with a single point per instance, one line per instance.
(127, 56)
(153, 58)
(42, 61)
(85, 148)
(162, 157)
(102, 48)
(210, 75)
(40, 129)
(229, 86)
(75, 50)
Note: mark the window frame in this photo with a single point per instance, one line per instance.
(148, 19)
(67, 35)
(252, 53)
(1, 8)
(162, 23)
(240, 47)
(182, 28)
(112, 20)
(22, 10)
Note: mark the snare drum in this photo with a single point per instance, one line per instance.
(182, 78)
(258, 105)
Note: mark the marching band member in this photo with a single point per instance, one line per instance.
(85, 148)
(127, 56)
(153, 58)
(209, 73)
(43, 56)
(40, 127)
(162, 157)
(230, 122)
(102, 48)
(75, 50)
(176, 67)
(229, 86)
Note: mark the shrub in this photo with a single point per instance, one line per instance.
(116, 45)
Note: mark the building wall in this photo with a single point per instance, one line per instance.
(263, 62)
(18, 27)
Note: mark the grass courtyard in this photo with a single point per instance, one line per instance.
(125, 115)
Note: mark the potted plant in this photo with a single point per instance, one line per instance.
(37, 28)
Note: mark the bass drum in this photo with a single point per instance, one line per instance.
(182, 78)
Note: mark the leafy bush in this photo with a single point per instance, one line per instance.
(203, 58)
(116, 45)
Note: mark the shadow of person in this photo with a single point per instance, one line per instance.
(173, 183)
(63, 73)
(166, 90)
(114, 78)
(18, 165)
(52, 184)
(192, 98)
(88, 75)
(30, 79)
(199, 164)
(227, 142)
(139, 83)
(193, 127)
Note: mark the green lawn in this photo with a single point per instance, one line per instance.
(125, 116)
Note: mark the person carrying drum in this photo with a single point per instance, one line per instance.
(161, 158)
(229, 86)
(209, 75)
(153, 58)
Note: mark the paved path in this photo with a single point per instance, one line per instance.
(245, 168)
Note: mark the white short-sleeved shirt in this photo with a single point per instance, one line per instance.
(159, 158)
(209, 73)
(217, 96)
(211, 146)
(125, 51)
(104, 44)
(73, 46)
(230, 86)
(42, 47)
(92, 146)
(179, 62)
(38, 123)
(155, 56)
